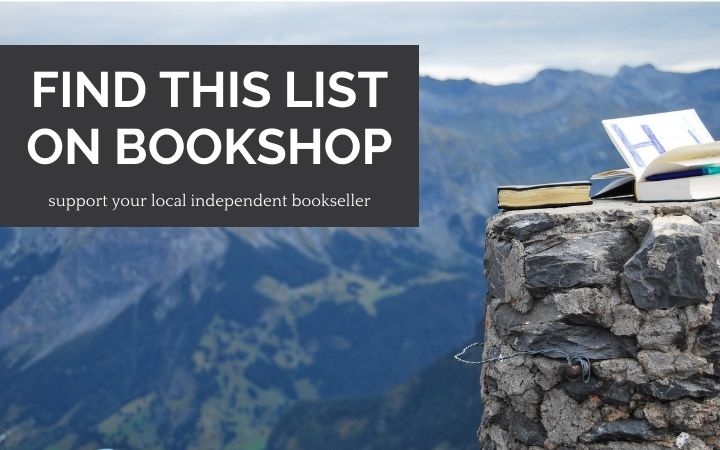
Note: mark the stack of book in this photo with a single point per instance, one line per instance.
(670, 156)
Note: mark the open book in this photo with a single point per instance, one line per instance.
(668, 145)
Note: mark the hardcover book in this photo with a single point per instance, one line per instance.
(671, 157)
(544, 195)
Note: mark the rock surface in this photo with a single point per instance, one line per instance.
(631, 287)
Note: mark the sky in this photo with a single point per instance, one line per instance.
(497, 43)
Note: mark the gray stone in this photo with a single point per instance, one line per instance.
(614, 393)
(661, 330)
(697, 316)
(611, 413)
(508, 318)
(505, 274)
(688, 414)
(584, 306)
(633, 430)
(549, 372)
(564, 418)
(655, 413)
(618, 445)
(520, 427)
(633, 287)
(626, 320)
(496, 252)
(682, 365)
(537, 331)
(572, 261)
(690, 442)
(524, 228)
(676, 389)
(672, 267)
(620, 369)
(512, 376)
(709, 337)
(496, 439)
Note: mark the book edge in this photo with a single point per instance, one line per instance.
(545, 205)
(541, 186)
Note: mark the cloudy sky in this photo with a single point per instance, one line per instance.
(490, 42)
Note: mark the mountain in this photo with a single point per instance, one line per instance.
(205, 338)
(201, 338)
(438, 408)
(479, 135)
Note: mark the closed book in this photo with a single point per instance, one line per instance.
(544, 195)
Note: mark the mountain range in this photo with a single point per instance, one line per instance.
(300, 338)
(476, 137)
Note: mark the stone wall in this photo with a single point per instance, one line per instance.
(632, 287)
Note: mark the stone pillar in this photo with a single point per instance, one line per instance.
(632, 287)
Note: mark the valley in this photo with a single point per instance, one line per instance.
(193, 338)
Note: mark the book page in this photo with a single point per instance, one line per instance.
(614, 173)
(641, 139)
(690, 152)
(684, 158)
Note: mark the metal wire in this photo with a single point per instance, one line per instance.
(572, 359)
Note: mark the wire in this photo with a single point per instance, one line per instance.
(572, 359)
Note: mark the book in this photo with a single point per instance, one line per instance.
(661, 150)
(544, 195)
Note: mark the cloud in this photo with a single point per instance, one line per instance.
(492, 74)
(693, 66)
(490, 42)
